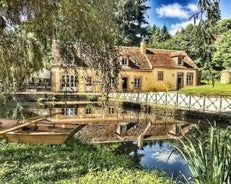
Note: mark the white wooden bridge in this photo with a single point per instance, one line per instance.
(205, 103)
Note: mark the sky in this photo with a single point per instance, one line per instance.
(175, 14)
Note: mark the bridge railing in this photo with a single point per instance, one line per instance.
(202, 102)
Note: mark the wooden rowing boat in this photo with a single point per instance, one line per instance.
(37, 137)
(36, 132)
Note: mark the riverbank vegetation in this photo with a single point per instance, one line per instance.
(73, 162)
(218, 89)
(208, 155)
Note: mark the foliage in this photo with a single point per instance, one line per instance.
(198, 40)
(169, 86)
(219, 89)
(208, 16)
(158, 38)
(222, 56)
(153, 87)
(22, 31)
(187, 40)
(123, 176)
(95, 25)
(130, 17)
(223, 25)
(20, 55)
(209, 158)
(67, 163)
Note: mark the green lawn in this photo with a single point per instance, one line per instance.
(219, 89)
(70, 163)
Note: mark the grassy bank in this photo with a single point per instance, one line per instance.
(219, 89)
(73, 162)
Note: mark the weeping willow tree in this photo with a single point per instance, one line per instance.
(27, 28)
(94, 32)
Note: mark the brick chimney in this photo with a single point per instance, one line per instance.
(143, 45)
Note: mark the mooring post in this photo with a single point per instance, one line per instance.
(140, 141)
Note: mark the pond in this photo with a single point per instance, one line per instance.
(161, 156)
(144, 133)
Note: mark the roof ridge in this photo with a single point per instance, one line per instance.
(148, 48)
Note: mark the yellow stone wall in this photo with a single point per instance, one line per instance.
(169, 82)
(145, 77)
(148, 79)
(150, 82)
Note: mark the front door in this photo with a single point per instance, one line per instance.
(125, 83)
(180, 84)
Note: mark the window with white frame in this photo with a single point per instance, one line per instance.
(111, 110)
(160, 76)
(189, 80)
(137, 83)
(89, 81)
(124, 61)
(68, 111)
(180, 61)
(73, 81)
(69, 81)
(88, 110)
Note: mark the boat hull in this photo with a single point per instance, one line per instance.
(37, 137)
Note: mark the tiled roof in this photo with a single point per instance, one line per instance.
(158, 58)
(153, 58)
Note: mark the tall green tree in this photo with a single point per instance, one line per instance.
(165, 35)
(150, 31)
(187, 40)
(207, 25)
(222, 56)
(158, 37)
(130, 16)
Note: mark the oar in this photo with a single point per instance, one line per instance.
(26, 124)
(21, 126)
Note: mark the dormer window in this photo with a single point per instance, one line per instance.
(180, 61)
(124, 61)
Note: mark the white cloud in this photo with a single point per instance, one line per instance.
(177, 27)
(192, 7)
(176, 10)
(173, 11)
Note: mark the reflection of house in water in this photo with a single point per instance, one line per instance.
(82, 112)
(119, 132)
(114, 124)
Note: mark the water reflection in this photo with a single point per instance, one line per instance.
(113, 122)
(161, 156)
(117, 123)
